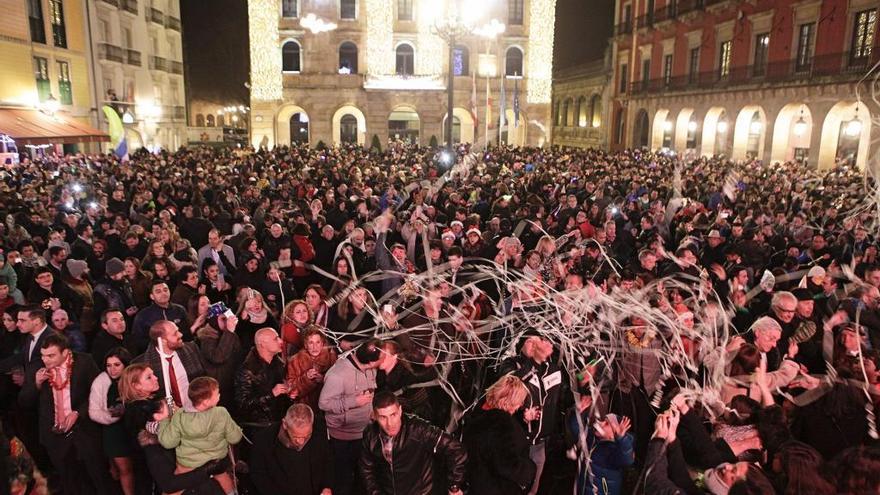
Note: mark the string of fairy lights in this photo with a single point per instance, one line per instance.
(265, 45)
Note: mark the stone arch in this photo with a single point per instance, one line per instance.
(749, 132)
(336, 123)
(839, 136)
(715, 132)
(466, 123)
(685, 116)
(282, 123)
(661, 129)
(792, 131)
(408, 124)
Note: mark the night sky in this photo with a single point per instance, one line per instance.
(215, 39)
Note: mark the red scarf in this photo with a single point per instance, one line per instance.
(59, 380)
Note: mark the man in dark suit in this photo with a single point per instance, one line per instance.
(26, 361)
(60, 393)
(174, 362)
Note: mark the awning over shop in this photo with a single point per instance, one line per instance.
(28, 126)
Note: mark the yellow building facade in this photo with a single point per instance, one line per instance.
(44, 58)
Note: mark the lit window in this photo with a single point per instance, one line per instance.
(460, 61)
(724, 59)
(863, 35)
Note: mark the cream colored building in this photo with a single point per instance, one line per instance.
(383, 72)
(138, 57)
(44, 60)
(580, 105)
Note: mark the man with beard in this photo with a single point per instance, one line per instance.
(174, 362)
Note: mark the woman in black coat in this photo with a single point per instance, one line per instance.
(154, 465)
(497, 446)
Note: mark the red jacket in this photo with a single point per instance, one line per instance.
(306, 254)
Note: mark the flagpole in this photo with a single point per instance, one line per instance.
(488, 109)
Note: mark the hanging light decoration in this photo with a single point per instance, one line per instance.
(854, 127)
(800, 127)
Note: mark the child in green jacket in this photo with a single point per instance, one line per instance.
(203, 434)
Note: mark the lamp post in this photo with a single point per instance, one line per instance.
(450, 29)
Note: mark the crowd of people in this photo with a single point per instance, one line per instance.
(512, 321)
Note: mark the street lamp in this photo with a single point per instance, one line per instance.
(854, 127)
(51, 105)
(316, 25)
(800, 127)
(450, 29)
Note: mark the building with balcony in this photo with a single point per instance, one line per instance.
(776, 80)
(580, 102)
(138, 64)
(46, 91)
(382, 72)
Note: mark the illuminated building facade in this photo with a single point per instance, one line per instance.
(343, 71)
(580, 105)
(138, 59)
(776, 80)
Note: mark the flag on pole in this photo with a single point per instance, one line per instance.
(501, 115)
(474, 99)
(117, 132)
(490, 124)
(516, 102)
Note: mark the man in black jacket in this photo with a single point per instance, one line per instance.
(111, 335)
(294, 457)
(544, 380)
(397, 454)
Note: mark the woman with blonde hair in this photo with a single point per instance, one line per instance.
(253, 314)
(497, 446)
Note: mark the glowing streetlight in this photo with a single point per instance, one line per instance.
(692, 126)
(854, 127)
(755, 127)
(722, 127)
(667, 125)
(51, 105)
(316, 25)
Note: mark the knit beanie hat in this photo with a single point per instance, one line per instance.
(77, 267)
(114, 266)
(714, 483)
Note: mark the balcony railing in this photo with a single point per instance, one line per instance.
(122, 107)
(156, 16)
(113, 53)
(158, 63)
(172, 23)
(673, 10)
(114, 3)
(842, 66)
(175, 67)
(129, 6)
(623, 28)
(178, 112)
(133, 57)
